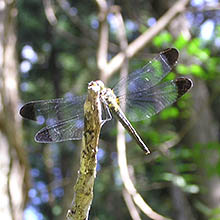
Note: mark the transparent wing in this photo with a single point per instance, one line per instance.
(147, 102)
(151, 74)
(54, 110)
(63, 116)
(63, 131)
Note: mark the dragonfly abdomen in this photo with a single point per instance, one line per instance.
(127, 125)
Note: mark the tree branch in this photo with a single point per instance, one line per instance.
(121, 35)
(83, 189)
(129, 186)
(49, 12)
(102, 52)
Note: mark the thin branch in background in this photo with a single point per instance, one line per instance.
(121, 34)
(129, 186)
(83, 189)
(130, 204)
(49, 12)
(140, 42)
(102, 52)
(121, 146)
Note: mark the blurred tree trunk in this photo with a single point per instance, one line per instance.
(181, 206)
(205, 131)
(14, 173)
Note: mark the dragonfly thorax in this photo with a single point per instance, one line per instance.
(108, 96)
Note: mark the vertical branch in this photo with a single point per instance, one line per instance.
(121, 34)
(131, 195)
(49, 12)
(83, 189)
(102, 53)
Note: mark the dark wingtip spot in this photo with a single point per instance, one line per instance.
(27, 111)
(43, 136)
(170, 55)
(183, 85)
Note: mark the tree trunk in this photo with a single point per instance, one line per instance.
(205, 131)
(14, 173)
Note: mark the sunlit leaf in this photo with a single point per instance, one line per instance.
(180, 42)
(183, 69)
(193, 46)
(162, 38)
(197, 71)
(171, 112)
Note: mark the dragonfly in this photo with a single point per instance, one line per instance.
(142, 93)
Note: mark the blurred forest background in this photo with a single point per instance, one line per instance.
(49, 48)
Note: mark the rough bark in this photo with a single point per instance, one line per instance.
(83, 189)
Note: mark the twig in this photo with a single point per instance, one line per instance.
(122, 160)
(83, 189)
(145, 38)
(102, 52)
(49, 12)
(130, 204)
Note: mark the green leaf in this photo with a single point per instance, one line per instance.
(204, 54)
(212, 64)
(170, 76)
(193, 46)
(180, 42)
(218, 31)
(183, 69)
(197, 71)
(162, 38)
(170, 112)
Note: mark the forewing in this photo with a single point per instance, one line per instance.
(63, 131)
(151, 74)
(54, 110)
(148, 102)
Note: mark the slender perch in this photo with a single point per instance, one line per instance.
(83, 189)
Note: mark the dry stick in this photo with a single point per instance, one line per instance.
(140, 42)
(83, 189)
(131, 206)
(49, 12)
(121, 34)
(129, 184)
(102, 52)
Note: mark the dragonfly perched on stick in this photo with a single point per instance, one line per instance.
(144, 97)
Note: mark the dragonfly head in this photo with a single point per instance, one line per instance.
(97, 83)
